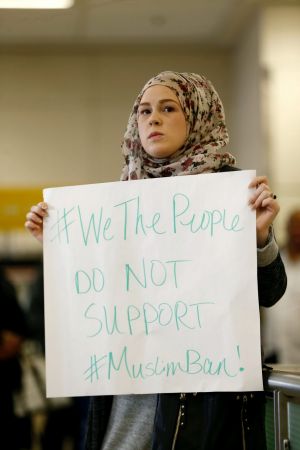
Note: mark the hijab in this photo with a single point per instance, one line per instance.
(202, 151)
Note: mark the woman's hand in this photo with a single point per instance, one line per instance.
(266, 206)
(34, 220)
(10, 344)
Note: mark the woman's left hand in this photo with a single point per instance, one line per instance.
(266, 206)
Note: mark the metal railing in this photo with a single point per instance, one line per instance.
(284, 385)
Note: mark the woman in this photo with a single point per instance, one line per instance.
(177, 127)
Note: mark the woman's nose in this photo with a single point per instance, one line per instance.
(154, 119)
(154, 122)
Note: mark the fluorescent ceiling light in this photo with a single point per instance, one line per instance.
(36, 4)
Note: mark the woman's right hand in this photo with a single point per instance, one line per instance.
(34, 220)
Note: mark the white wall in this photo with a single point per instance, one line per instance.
(280, 57)
(63, 113)
(265, 103)
(247, 137)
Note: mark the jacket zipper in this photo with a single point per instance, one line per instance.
(180, 411)
(245, 399)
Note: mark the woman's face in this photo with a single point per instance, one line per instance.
(161, 122)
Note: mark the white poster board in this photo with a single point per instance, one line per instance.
(151, 286)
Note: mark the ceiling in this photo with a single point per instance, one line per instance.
(207, 22)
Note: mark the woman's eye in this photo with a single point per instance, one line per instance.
(168, 108)
(144, 112)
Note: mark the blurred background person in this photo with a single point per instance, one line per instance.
(281, 329)
(12, 333)
(65, 418)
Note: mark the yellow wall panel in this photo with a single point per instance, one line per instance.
(14, 204)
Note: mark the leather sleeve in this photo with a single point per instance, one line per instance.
(272, 282)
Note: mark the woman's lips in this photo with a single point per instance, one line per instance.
(155, 135)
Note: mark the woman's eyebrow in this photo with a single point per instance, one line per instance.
(160, 101)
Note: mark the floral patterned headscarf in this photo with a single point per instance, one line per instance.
(201, 152)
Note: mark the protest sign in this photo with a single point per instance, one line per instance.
(151, 286)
